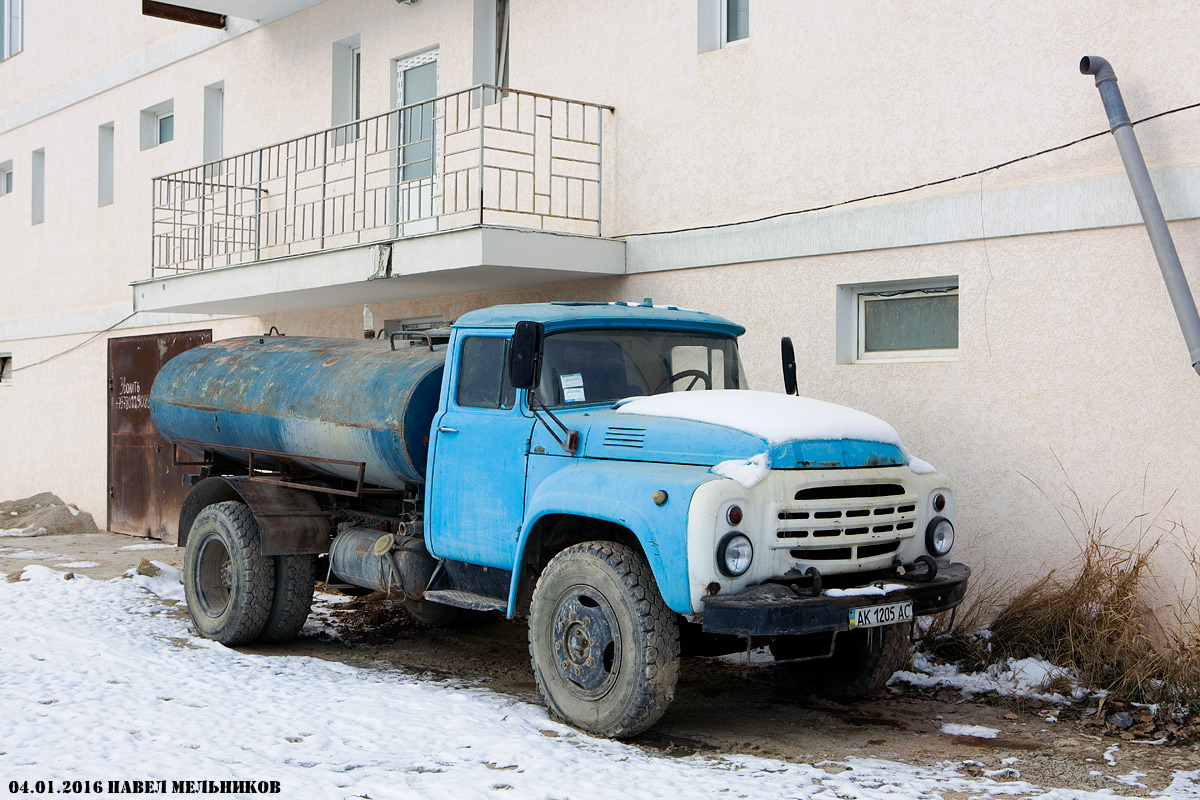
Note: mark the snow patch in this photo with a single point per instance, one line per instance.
(915, 464)
(864, 591)
(1023, 677)
(166, 584)
(778, 418)
(159, 546)
(978, 731)
(23, 532)
(748, 473)
(79, 564)
(29, 555)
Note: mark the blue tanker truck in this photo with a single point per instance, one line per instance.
(602, 469)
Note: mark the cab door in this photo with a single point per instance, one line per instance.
(475, 495)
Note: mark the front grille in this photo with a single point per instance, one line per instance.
(846, 522)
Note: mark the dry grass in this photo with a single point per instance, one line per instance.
(1095, 616)
(957, 637)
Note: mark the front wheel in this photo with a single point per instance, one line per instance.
(604, 645)
(862, 661)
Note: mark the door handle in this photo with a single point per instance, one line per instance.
(444, 429)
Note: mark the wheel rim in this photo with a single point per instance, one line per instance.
(587, 643)
(214, 576)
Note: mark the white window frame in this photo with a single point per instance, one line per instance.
(150, 123)
(158, 121)
(12, 34)
(6, 369)
(356, 84)
(7, 181)
(712, 26)
(851, 319)
(105, 172)
(725, 41)
(37, 186)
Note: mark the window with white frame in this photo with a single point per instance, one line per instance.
(158, 124)
(165, 127)
(6, 368)
(416, 82)
(898, 321)
(104, 164)
(11, 28)
(720, 23)
(347, 81)
(6, 177)
(37, 186)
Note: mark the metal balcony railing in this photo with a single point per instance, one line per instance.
(480, 156)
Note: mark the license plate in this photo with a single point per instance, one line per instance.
(875, 616)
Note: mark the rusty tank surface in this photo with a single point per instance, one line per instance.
(351, 400)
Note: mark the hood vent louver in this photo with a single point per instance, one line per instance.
(625, 437)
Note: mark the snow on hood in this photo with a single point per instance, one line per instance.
(778, 418)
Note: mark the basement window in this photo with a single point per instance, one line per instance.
(899, 321)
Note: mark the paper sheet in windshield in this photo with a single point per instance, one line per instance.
(572, 387)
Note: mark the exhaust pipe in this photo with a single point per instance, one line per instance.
(1147, 200)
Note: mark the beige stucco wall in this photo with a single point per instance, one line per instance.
(830, 101)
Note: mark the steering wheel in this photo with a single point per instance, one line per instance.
(694, 374)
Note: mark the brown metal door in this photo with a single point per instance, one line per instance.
(144, 490)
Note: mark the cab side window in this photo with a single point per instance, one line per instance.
(483, 373)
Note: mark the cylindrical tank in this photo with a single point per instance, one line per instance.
(348, 399)
(385, 562)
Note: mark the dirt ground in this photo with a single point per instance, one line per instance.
(720, 706)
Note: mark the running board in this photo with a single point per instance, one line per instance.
(460, 599)
(473, 586)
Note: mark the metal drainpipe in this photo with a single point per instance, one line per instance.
(1147, 200)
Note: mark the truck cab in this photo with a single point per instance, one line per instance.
(605, 470)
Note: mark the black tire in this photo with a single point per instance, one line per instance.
(604, 646)
(440, 615)
(295, 579)
(861, 664)
(228, 582)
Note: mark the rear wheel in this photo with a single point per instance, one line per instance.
(604, 646)
(228, 582)
(295, 579)
(861, 664)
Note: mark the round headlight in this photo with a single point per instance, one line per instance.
(734, 554)
(734, 515)
(939, 536)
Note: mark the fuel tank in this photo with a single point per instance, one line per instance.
(355, 400)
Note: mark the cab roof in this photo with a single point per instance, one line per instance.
(574, 315)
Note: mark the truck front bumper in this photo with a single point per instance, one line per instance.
(772, 609)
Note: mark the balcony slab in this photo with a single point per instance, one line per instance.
(481, 258)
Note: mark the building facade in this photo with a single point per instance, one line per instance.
(220, 168)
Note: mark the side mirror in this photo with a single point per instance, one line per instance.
(789, 365)
(525, 355)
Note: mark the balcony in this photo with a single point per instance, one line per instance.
(479, 189)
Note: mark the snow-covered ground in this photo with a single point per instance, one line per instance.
(105, 681)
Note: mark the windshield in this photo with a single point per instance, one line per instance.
(604, 366)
